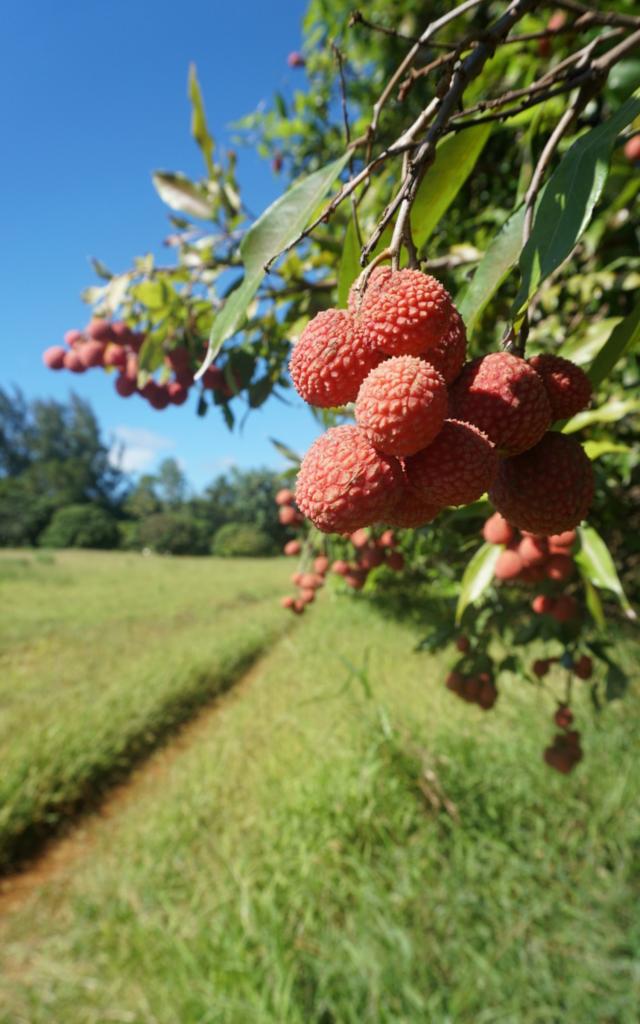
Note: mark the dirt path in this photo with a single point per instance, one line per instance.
(62, 852)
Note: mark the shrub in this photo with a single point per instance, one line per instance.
(241, 540)
(173, 533)
(81, 526)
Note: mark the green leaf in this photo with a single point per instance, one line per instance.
(596, 565)
(199, 128)
(275, 229)
(594, 604)
(349, 264)
(151, 354)
(181, 194)
(624, 337)
(610, 412)
(477, 576)
(288, 453)
(501, 256)
(456, 157)
(594, 449)
(100, 269)
(568, 200)
(153, 294)
(584, 347)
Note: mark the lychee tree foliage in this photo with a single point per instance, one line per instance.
(487, 149)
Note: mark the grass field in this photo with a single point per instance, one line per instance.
(346, 842)
(101, 655)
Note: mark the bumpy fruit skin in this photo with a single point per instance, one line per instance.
(405, 312)
(568, 387)
(497, 530)
(545, 490)
(410, 511)
(331, 359)
(402, 405)
(505, 398)
(457, 467)
(449, 354)
(344, 483)
(53, 357)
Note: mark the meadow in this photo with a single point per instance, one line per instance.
(343, 841)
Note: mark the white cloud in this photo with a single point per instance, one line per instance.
(135, 449)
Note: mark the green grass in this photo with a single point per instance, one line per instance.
(350, 843)
(101, 656)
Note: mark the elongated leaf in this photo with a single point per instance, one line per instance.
(275, 229)
(567, 203)
(622, 339)
(181, 194)
(611, 412)
(592, 597)
(456, 157)
(199, 128)
(349, 264)
(477, 576)
(596, 564)
(287, 452)
(594, 449)
(583, 348)
(501, 256)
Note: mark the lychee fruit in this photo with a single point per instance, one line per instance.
(73, 362)
(564, 609)
(456, 468)
(331, 359)
(287, 601)
(387, 539)
(402, 405)
(542, 604)
(296, 60)
(284, 496)
(340, 567)
(73, 337)
(125, 386)
(463, 644)
(405, 312)
(115, 355)
(53, 357)
(292, 547)
(344, 483)
(321, 564)
(583, 667)
(101, 330)
(497, 530)
(411, 509)
(547, 489)
(568, 387)
(287, 515)
(370, 557)
(559, 541)
(541, 667)
(563, 717)
(359, 538)
(448, 356)
(177, 393)
(632, 149)
(532, 550)
(509, 565)
(505, 398)
(355, 578)
(559, 568)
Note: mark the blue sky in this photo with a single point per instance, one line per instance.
(92, 100)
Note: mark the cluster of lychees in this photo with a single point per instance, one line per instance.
(564, 752)
(113, 345)
(432, 431)
(369, 553)
(476, 687)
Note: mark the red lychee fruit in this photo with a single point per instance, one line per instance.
(360, 538)
(296, 578)
(387, 539)
(632, 149)
(410, 509)
(125, 386)
(509, 565)
(296, 60)
(405, 312)
(448, 356)
(532, 550)
(497, 530)
(355, 578)
(123, 335)
(73, 362)
(287, 601)
(311, 581)
(456, 468)
(307, 596)
(287, 515)
(73, 337)
(53, 357)
(583, 667)
(559, 568)
(463, 644)
(292, 547)
(177, 393)
(487, 695)
(115, 355)
(402, 405)
(340, 567)
(344, 483)
(213, 379)
(101, 330)
(455, 682)
(559, 758)
(284, 497)
(505, 398)
(395, 561)
(547, 489)
(320, 565)
(91, 353)
(542, 605)
(298, 606)
(568, 387)
(563, 717)
(370, 557)
(331, 359)
(156, 395)
(559, 541)
(564, 609)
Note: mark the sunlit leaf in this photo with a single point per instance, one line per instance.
(568, 200)
(477, 576)
(594, 449)
(596, 564)
(199, 128)
(624, 337)
(610, 412)
(501, 256)
(349, 264)
(592, 597)
(181, 194)
(456, 157)
(287, 452)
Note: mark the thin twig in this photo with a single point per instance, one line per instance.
(347, 133)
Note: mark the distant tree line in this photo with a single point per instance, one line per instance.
(59, 488)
